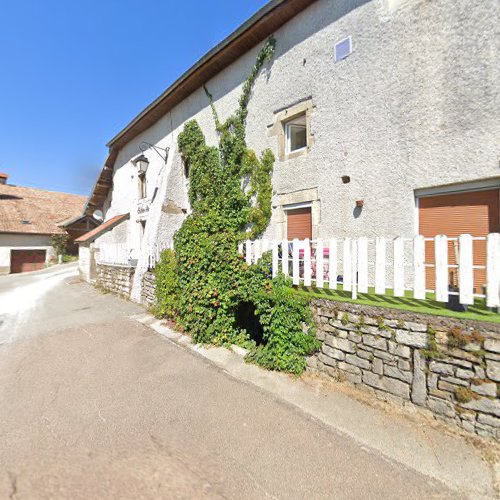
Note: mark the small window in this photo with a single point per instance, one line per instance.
(296, 134)
(143, 192)
(343, 49)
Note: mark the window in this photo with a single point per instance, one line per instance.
(143, 192)
(292, 127)
(343, 49)
(296, 134)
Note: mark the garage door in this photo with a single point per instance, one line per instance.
(474, 212)
(26, 260)
(299, 223)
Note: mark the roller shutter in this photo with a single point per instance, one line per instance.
(299, 223)
(472, 212)
(26, 260)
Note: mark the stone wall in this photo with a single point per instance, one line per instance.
(115, 279)
(449, 367)
(148, 290)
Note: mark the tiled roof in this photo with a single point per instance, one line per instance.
(34, 211)
(105, 226)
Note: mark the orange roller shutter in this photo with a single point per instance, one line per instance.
(472, 212)
(299, 223)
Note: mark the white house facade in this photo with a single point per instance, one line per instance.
(383, 116)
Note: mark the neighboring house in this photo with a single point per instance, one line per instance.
(383, 116)
(28, 218)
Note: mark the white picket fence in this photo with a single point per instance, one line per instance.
(117, 254)
(364, 265)
(154, 254)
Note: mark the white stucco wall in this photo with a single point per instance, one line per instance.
(10, 242)
(84, 261)
(415, 105)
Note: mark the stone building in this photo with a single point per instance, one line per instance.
(382, 114)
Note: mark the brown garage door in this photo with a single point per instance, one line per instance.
(26, 260)
(299, 223)
(474, 212)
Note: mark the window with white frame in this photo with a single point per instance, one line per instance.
(296, 134)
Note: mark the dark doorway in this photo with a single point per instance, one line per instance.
(248, 321)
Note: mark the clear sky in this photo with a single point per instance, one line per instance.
(75, 72)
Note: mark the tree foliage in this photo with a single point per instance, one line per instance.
(60, 242)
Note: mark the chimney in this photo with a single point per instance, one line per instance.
(3, 178)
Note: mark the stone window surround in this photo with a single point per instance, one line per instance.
(297, 199)
(277, 129)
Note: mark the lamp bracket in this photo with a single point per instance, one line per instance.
(144, 146)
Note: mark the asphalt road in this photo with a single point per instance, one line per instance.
(95, 405)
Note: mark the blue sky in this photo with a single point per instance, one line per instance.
(76, 72)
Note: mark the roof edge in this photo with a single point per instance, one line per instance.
(93, 234)
(211, 54)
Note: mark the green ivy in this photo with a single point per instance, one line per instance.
(230, 194)
(167, 290)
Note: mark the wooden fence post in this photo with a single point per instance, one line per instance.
(380, 259)
(284, 257)
(295, 262)
(441, 259)
(363, 265)
(419, 267)
(465, 269)
(354, 269)
(493, 270)
(347, 265)
(399, 267)
(320, 274)
(332, 264)
(307, 262)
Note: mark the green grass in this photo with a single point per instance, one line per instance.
(477, 312)
(69, 258)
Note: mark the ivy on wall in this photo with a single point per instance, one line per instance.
(230, 194)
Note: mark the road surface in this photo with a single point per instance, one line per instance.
(96, 406)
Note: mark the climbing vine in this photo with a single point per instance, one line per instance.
(230, 194)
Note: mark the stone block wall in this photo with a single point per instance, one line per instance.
(148, 289)
(115, 279)
(449, 367)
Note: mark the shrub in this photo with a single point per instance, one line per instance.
(166, 286)
(287, 324)
(60, 243)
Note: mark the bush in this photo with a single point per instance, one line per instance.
(286, 319)
(60, 243)
(166, 286)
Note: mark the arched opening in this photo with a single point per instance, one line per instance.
(247, 320)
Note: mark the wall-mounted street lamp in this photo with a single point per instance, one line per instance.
(144, 146)
(142, 164)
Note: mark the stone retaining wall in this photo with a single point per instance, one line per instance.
(449, 367)
(148, 290)
(115, 279)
